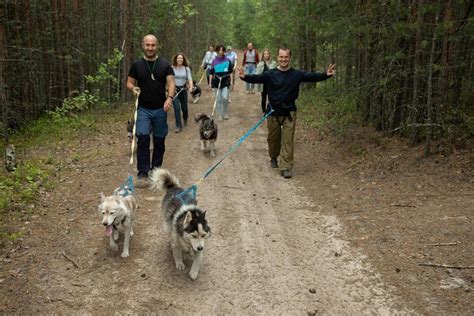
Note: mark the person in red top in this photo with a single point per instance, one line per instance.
(249, 63)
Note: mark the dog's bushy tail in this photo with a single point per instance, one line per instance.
(200, 117)
(162, 179)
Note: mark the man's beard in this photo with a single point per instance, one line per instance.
(150, 55)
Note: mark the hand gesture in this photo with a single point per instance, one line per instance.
(136, 91)
(331, 71)
(241, 72)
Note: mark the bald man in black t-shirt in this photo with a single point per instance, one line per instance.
(149, 77)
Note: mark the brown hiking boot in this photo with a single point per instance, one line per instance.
(274, 163)
(287, 174)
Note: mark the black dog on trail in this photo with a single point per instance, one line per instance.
(207, 133)
(195, 93)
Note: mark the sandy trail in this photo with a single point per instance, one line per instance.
(271, 250)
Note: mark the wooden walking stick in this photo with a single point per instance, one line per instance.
(134, 128)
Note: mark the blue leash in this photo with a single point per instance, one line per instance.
(127, 188)
(193, 189)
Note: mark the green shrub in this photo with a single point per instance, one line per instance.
(328, 110)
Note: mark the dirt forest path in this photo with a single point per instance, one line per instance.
(335, 239)
(271, 250)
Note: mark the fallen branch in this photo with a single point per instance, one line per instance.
(444, 266)
(403, 205)
(231, 187)
(68, 258)
(446, 244)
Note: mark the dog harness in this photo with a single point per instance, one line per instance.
(126, 188)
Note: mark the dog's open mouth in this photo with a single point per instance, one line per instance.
(109, 230)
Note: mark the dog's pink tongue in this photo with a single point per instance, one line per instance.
(108, 230)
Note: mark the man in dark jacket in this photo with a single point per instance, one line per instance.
(282, 85)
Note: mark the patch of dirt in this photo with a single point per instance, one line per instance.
(346, 235)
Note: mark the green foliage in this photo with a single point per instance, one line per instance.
(181, 12)
(74, 105)
(106, 73)
(328, 110)
(22, 185)
(20, 188)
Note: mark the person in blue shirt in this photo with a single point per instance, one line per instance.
(282, 85)
(220, 76)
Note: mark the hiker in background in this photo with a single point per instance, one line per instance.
(249, 63)
(220, 74)
(149, 77)
(207, 61)
(184, 82)
(282, 85)
(264, 65)
(233, 59)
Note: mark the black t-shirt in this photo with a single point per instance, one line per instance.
(152, 92)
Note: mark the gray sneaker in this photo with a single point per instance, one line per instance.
(177, 130)
(274, 163)
(142, 182)
(286, 174)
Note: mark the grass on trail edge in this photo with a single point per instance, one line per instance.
(41, 150)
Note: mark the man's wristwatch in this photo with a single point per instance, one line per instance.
(171, 97)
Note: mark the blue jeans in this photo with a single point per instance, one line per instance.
(222, 101)
(180, 103)
(250, 69)
(149, 121)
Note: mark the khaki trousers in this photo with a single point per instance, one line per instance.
(281, 135)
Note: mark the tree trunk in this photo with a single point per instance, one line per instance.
(124, 22)
(429, 102)
(3, 98)
(414, 113)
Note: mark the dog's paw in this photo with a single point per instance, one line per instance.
(212, 154)
(180, 266)
(193, 274)
(114, 247)
(125, 254)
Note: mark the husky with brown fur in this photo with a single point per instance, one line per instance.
(117, 217)
(183, 219)
(207, 132)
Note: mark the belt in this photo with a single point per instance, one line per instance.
(249, 62)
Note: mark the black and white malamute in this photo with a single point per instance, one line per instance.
(196, 92)
(207, 133)
(184, 220)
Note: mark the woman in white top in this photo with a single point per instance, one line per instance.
(182, 76)
(265, 64)
(207, 61)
